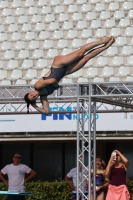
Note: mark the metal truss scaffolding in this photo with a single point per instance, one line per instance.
(87, 99)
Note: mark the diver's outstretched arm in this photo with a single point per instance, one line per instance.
(45, 104)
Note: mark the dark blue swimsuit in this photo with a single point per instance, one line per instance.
(99, 182)
(58, 74)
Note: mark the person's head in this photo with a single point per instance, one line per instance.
(30, 98)
(80, 162)
(119, 149)
(98, 162)
(118, 158)
(17, 158)
(80, 158)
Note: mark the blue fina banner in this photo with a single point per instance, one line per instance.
(60, 122)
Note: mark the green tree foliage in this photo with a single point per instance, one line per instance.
(57, 190)
(130, 186)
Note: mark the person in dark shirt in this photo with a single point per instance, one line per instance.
(116, 175)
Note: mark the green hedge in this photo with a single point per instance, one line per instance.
(57, 190)
(130, 186)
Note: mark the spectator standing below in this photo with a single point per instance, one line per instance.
(73, 175)
(16, 177)
(101, 185)
(116, 176)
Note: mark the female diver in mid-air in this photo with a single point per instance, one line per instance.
(62, 66)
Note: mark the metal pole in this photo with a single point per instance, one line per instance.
(78, 140)
(82, 144)
(89, 144)
(94, 146)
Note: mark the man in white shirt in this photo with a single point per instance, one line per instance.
(16, 177)
(72, 174)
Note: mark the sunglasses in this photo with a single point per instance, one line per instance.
(17, 157)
